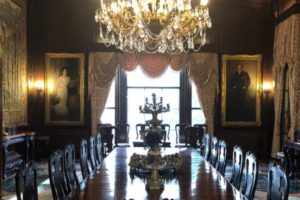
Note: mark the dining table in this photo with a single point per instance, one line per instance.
(195, 179)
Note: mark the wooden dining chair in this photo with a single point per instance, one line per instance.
(122, 134)
(205, 148)
(237, 166)
(85, 171)
(180, 134)
(222, 157)
(141, 130)
(98, 148)
(251, 175)
(191, 136)
(107, 132)
(57, 175)
(278, 183)
(26, 182)
(166, 128)
(213, 151)
(92, 153)
(70, 168)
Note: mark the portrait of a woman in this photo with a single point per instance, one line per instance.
(61, 92)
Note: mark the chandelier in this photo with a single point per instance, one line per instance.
(164, 26)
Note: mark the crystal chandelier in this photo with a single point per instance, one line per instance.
(164, 26)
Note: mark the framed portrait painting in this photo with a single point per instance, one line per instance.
(241, 89)
(64, 89)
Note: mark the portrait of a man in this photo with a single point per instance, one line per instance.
(240, 98)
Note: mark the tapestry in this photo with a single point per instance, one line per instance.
(13, 53)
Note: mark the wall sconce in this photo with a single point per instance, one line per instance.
(39, 86)
(268, 88)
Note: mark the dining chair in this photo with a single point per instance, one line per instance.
(180, 135)
(85, 171)
(205, 148)
(92, 153)
(213, 151)
(251, 175)
(141, 130)
(278, 183)
(107, 132)
(166, 131)
(70, 168)
(202, 128)
(191, 136)
(98, 148)
(26, 182)
(57, 175)
(237, 166)
(122, 135)
(222, 157)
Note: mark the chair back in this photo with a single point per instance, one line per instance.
(57, 175)
(206, 146)
(251, 174)
(278, 183)
(213, 151)
(180, 135)
(84, 159)
(122, 133)
(166, 129)
(107, 135)
(99, 149)
(92, 154)
(222, 157)
(191, 136)
(141, 130)
(70, 168)
(237, 166)
(26, 182)
(202, 128)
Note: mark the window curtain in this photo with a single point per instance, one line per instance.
(202, 69)
(286, 51)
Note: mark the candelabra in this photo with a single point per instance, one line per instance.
(154, 108)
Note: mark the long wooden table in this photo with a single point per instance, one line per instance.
(196, 180)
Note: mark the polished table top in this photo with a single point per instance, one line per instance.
(196, 180)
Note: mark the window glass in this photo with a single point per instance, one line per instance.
(197, 115)
(108, 115)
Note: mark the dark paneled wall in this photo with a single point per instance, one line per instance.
(68, 26)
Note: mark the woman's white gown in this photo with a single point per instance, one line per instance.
(61, 109)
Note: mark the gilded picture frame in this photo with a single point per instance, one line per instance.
(241, 90)
(64, 89)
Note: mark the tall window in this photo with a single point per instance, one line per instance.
(139, 86)
(197, 115)
(108, 115)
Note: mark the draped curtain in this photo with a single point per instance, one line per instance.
(286, 51)
(203, 70)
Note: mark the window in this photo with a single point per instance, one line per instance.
(139, 86)
(108, 115)
(197, 115)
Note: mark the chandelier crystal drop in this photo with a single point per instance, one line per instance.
(164, 26)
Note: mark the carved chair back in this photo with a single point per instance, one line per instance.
(70, 168)
(122, 133)
(99, 149)
(278, 183)
(237, 166)
(191, 136)
(202, 128)
(92, 155)
(26, 182)
(213, 151)
(141, 130)
(180, 133)
(57, 175)
(84, 159)
(206, 146)
(166, 129)
(251, 174)
(222, 157)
